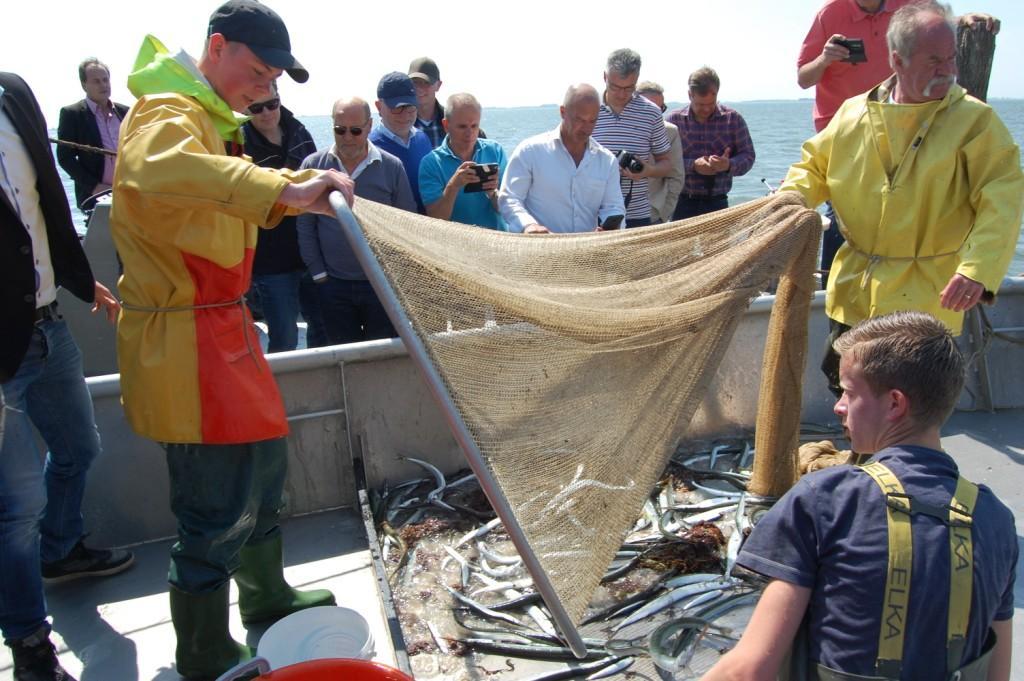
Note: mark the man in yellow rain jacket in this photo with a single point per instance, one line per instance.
(185, 215)
(925, 181)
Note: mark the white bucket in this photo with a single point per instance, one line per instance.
(316, 634)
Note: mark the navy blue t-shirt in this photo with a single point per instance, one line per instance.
(829, 533)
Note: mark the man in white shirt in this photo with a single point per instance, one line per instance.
(562, 180)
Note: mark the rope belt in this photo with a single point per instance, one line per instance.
(874, 258)
(240, 302)
(957, 516)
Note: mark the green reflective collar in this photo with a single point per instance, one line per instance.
(157, 71)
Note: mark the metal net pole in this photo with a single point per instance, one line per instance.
(418, 352)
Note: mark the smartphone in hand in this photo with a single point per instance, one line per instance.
(612, 222)
(856, 48)
(484, 172)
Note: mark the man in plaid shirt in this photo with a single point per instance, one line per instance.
(716, 147)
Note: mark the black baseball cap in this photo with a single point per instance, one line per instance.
(396, 89)
(426, 69)
(261, 30)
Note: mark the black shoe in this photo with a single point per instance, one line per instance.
(85, 562)
(35, 659)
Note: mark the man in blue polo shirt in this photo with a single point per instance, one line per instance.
(397, 134)
(628, 122)
(450, 173)
(868, 610)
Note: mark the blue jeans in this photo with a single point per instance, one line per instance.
(41, 504)
(282, 296)
(309, 304)
(352, 312)
(691, 208)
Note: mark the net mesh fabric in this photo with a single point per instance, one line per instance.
(577, 361)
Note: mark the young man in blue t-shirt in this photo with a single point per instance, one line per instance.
(825, 544)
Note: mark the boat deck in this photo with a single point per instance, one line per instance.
(119, 629)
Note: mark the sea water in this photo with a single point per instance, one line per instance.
(777, 128)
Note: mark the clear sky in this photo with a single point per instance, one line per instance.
(512, 53)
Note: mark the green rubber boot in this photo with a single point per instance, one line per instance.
(263, 595)
(205, 647)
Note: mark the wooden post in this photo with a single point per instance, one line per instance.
(975, 49)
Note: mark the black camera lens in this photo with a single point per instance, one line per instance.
(629, 161)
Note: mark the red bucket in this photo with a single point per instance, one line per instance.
(337, 669)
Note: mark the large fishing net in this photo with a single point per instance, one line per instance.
(577, 361)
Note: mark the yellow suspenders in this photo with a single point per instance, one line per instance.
(901, 556)
(961, 576)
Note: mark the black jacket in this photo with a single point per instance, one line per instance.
(277, 250)
(17, 267)
(78, 124)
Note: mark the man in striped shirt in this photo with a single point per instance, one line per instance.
(716, 147)
(628, 122)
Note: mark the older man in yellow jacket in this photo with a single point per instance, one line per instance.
(926, 184)
(185, 215)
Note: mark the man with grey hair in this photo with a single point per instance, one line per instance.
(826, 63)
(459, 179)
(631, 127)
(664, 191)
(397, 134)
(562, 180)
(927, 184)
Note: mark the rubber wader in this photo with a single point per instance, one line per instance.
(263, 595)
(205, 647)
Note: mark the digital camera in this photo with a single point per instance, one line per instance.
(629, 161)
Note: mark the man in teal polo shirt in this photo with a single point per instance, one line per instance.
(450, 172)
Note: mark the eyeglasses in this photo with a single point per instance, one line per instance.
(269, 105)
(356, 130)
(624, 89)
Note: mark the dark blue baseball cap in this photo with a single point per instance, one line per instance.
(261, 30)
(396, 89)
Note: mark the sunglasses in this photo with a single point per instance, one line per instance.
(269, 105)
(356, 130)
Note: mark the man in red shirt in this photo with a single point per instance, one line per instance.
(823, 61)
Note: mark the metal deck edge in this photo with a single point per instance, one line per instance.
(383, 587)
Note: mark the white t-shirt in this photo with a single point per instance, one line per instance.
(18, 179)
